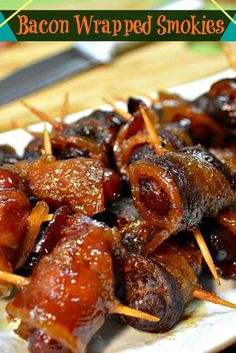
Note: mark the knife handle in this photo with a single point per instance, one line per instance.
(104, 52)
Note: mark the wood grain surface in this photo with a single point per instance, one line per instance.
(151, 67)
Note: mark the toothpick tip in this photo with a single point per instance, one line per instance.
(125, 115)
(13, 279)
(201, 294)
(47, 142)
(128, 311)
(206, 254)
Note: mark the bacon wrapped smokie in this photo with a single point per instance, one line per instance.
(119, 214)
(67, 147)
(71, 290)
(222, 102)
(100, 126)
(221, 242)
(203, 128)
(14, 211)
(133, 141)
(48, 237)
(92, 136)
(227, 156)
(83, 184)
(175, 190)
(8, 155)
(135, 232)
(160, 285)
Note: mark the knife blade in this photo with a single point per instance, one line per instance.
(43, 73)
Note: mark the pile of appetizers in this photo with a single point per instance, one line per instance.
(118, 213)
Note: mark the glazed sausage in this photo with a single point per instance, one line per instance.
(174, 191)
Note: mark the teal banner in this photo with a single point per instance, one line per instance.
(152, 25)
(230, 33)
(6, 34)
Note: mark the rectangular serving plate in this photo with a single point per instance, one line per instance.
(204, 328)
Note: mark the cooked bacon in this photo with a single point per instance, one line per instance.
(174, 191)
(82, 183)
(221, 242)
(227, 156)
(72, 289)
(136, 234)
(48, 237)
(133, 141)
(8, 155)
(100, 126)
(203, 128)
(14, 211)
(222, 102)
(160, 285)
(79, 267)
(66, 147)
(40, 342)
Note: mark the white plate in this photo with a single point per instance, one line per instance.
(204, 327)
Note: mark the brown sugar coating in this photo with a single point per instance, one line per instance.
(185, 185)
(160, 285)
(203, 128)
(78, 183)
(221, 242)
(14, 211)
(222, 102)
(72, 289)
(133, 141)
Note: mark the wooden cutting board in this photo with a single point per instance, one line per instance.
(148, 68)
